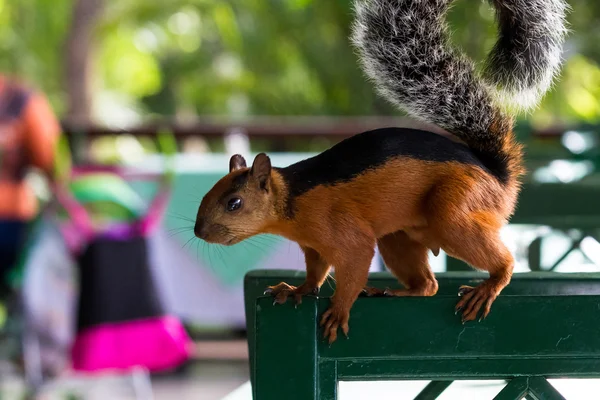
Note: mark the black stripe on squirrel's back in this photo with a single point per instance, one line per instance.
(368, 150)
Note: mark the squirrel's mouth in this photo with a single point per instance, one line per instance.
(224, 241)
(232, 241)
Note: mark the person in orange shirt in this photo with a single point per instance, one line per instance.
(29, 133)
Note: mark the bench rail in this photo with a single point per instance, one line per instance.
(537, 329)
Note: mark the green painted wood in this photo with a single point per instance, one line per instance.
(433, 390)
(534, 254)
(575, 245)
(541, 389)
(327, 384)
(453, 264)
(537, 328)
(468, 368)
(528, 283)
(288, 353)
(515, 390)
(517, 326)
(581, 212)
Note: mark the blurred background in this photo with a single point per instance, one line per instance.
(123, 63)
(153, 97)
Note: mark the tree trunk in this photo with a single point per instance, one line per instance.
(77, 59)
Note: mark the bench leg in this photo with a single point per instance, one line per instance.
(285, 362)
(540, 388)
(515, 390)
(433, 390)
(328, 384)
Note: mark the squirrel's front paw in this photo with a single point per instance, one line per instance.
(282, 291)
(333, 319)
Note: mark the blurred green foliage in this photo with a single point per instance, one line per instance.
(255, 57)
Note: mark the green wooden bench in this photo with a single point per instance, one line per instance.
(544, 325)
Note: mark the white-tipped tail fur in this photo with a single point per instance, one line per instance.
(527, 54)
(404, 49)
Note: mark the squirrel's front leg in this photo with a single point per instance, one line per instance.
(316, 273)
(351, 274)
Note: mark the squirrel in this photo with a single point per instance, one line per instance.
(406, 191)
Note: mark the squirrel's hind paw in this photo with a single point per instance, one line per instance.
(473, 299)
(333, 319)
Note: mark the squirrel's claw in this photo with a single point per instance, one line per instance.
(475, 301)
(372, 292)
(331, 321)
(282, 291)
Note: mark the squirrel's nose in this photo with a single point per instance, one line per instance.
(201, 228)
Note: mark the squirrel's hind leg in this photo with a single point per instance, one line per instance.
(476, 241)
(408, 260)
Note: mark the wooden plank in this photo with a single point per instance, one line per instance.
(541, 389)
(433, 390)
(286, 363)
(551, 284)
(417, 327)
(515, 390)
(421, 338)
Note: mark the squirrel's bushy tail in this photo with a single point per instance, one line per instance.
(527, 54)
(404, 48)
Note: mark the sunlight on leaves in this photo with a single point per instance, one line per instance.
(125, 67)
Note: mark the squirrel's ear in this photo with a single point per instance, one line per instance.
(261, 170)
(236, 162)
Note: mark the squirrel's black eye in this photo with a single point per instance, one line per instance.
(234, 204)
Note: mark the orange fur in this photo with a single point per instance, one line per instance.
(405, 206)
